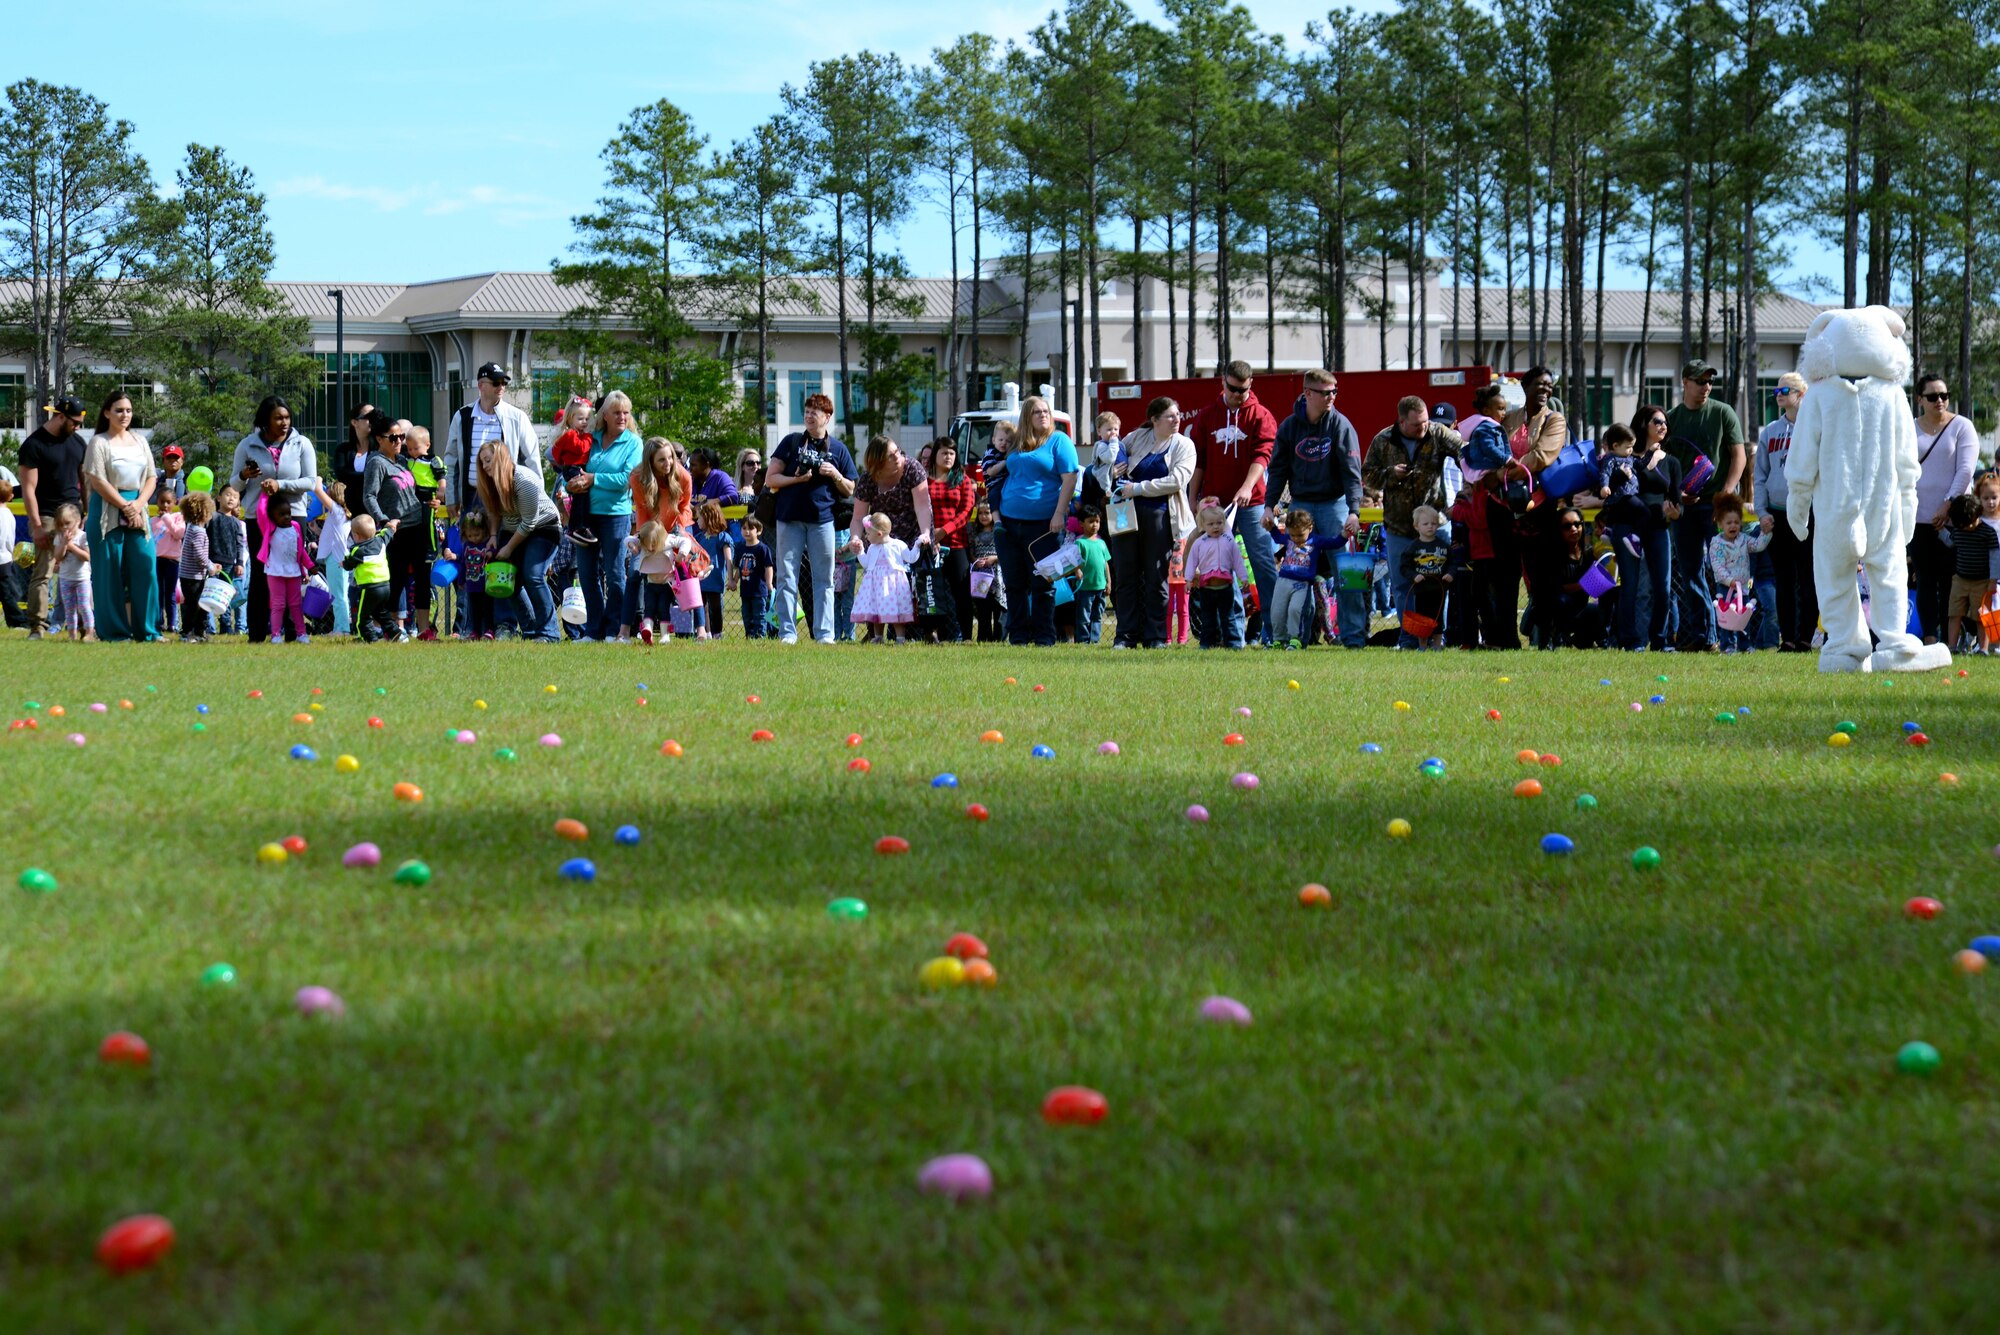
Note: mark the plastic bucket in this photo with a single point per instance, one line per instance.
(1598, 580)
(1353, 570)
(982, 583)
(500, 576)
(217, 594)
(316, 601)
(573, 610)
(687, 594)
(444, 574)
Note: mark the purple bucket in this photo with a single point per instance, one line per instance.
(1597, 581)
(315, 602)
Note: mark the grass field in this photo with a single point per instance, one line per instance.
(1490, 1090)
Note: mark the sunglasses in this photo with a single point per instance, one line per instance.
(1327, 393)
(399, 435)
(1781, 391)
(1571, 523)
(1656, 421)
(1937, 398)
(1228, 388)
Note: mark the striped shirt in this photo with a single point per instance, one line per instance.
(194, 553)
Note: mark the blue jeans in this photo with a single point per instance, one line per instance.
(1399, 583)
(1263, 561)
(1764, 626)
(756, 612)
(1643, 584)
(812, 542)
(1090, 616)
(1329, 517)
(843, 614)
(600, 567)
(1031, 607)
(1695, 600)
(1217, 613)
(531, 592)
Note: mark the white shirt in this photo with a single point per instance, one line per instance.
(6, 535)
(284, 559)
(333, 538)
(485, 427)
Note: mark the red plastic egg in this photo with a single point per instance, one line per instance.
(1073, 1105)
(1551, 759)
(1233, 739)
(375, 723)
(135, 1244)
(1041, 688)
(1918, 739)
(859, 764)
(123, 1049)
(295, 844)
(670, 747)
(1923, 906)
(1493, 715)
(854, 739)
(1314, 895)
(763, 735)
(890, 844)
(965, 946)
(976, 812)
(256, 695)
(753, 699)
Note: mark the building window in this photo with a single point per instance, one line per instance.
(751, 385)
(1597, 400)
(13, 402)
(921, 410)
(1662, 391)
(1767, 410)
(857, 401)
(399, 383)
(551, 384)
(805, 384)
(988, 388)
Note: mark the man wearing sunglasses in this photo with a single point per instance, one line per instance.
(1791, 556)
(1317, 460)
(1701, 426)
(1233, 439)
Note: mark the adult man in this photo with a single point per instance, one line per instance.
(807, 470)
(1317, 458)
(1536, 432)
(1406, 464)
(710, 482)
(1233, 439)
(1700, 426)
(51, 476)
(489, 417)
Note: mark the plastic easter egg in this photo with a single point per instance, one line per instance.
(1528, 788)
(1963, 673)
(125, 704)
(362, 855)
(1107, 748)
(1845, 725)
(628, 835)
(981, 973)
(303, 752)
(578, 869)
(1313, 895)
(1743, 711)
(1040, 752)
(574, 830)
(218, 975)
(1527, 757)
(1989, 946)
(316, 707)
(549, 739)
(376, 723)
(1645, 859)
(1399, 828)
(1911, 727)
(1661, 677)
(1291, 685)
(753, 699)
(1197, 813)
(302, 718)
(57, 711)
(505, 753)
(316, 1000)
(1435, 762)
(31, 705)
(412, 872)
(670, 747)
(465, 737)
(1371, 748)
(479, 704)
(1840, 739)
(1919, 1059)
(1550, 760)
(1492, 716)
(854, 739)
(549, 689)
(1725, 717)
(1948, 779)
(1585, 802)
(123, 1049)
(273, 854)
(763, 735)
(138, 1243)
(1224, 1010)
(956, 1177)
(77, 739)
(890, 845)
(991, 735)
(1233, 739)
(1918, 739)
(1039, 689)
(942, 972)
(965, 946)
(1922, 906)
(199, 727)
(345, 764)
(1505, 680)
(1401, 706)
(946, 780)
(1638, 708)
(1430, 771)
(1243, 711)
(1243, 780)
(1012, 682)
(99, 707)
(1656, 699)
(1969, 961)
(407, 792)
(1074, 1105)
(1558, 845)
(847, 909)
(975, 811)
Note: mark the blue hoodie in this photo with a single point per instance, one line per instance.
(1318, 461)
(610, 465)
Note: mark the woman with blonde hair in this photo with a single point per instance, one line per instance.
(604, 485)
(519, 507)
(662, 489)
(1042, 475)
(1152, 472)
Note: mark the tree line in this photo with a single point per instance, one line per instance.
(1522, 145)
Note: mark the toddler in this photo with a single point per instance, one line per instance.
(1427, 569)
(475, 535)
(982, 545)
(1096, 576)
(1729, 559)
(1094, 491)
(659, 564)
(285, 564)
(1298, 572)
(993, 464)
(1973, 535)
(332, 547)
(569, 451)
(845, 568)
(752, 576)
(1214, 566)
(168, 528)
(714, 539)
(368, 557)
(197, 508)
(883, 600)
(1623, 513)
(72, 556)
(228, 540)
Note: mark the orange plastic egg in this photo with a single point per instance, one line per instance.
(979, 973)
(1527, 757)
(1528, 788)
(1315, 895)
(991, 735)
(670, 747)
(408, 792)
(574, 830)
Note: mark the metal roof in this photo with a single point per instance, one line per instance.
(1778, 315)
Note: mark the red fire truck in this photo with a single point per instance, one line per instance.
(1367, 398)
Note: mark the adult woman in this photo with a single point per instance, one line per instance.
(1041, 477)
(351, 464)
(1155, 465)
(527, 515)
(119, 478)
(1535, 431)
(953, 498)
(893, 484)
(662, 489)
(604, 486)
(389, 495)
(1947, 452)
(749, 469)
(276, 465)
(1791, 556)
(1563, 610)
(1643, 575)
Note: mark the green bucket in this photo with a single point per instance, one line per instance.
(500, 576)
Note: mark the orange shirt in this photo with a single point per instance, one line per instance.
(643, 513)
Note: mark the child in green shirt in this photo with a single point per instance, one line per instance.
(1096, 568)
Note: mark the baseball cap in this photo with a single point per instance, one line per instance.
(1698, 370)
(495, 372)
(172, 452)
(68, 405)
(1444, 412)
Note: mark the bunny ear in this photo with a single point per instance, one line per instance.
(1889, 318)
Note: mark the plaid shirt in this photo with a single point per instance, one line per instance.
(951, 511)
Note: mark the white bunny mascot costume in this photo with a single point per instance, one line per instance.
(1853, 469)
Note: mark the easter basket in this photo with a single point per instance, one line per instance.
(1418, 625)
(1598, 580)
(1989, 620)
(1732, 612)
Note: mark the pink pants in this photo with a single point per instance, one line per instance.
(287, 591)
(1177, 613)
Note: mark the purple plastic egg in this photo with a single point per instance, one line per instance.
(99, 707)
(549, 739)
(1107, 748)
(319, 1001)
(1225, 1010)
(77, 739)
(1245, 780)
(1198, 814)
(1243, 711)
(957, 1176)
(362, 855)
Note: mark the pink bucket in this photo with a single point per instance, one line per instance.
(687, 594)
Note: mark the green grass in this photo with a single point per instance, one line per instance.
(1490, 1090)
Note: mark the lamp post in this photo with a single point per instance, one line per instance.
(339, 351)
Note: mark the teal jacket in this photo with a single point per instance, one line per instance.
(610, 467)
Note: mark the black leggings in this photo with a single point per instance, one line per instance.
(711, 602)
(1139, 591)
(957, 578)
(410, 564)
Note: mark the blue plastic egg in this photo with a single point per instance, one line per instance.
(945, 781)
(1043, 752)
(304, 752)
(201, 709)
(1911, 727)
(1371, 748)
(1989, 946)
(579, 869)
(1557, 844)
(1604, 681)
(1742, 711)
(1658, 699)
(1433, 760)
(626, 834)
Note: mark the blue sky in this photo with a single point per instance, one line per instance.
(400, 142)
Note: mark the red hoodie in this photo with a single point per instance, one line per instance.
(1223, 463)
(571, 449)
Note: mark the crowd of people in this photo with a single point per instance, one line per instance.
(1228, 527)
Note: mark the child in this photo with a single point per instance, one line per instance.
(368, 557)
(475, 535)
(883, 599)
(228, 540)
(197, 508)
(1096, 573)
(1972, 543)
(173, 483)
(1094, 492)
(1177, 598)
(1729, 560)
(659, 568)
(569, 451)
(168, 528)
(1623, 513)
(13, 582)
(285, 564)
(1490, 564)
(72, 555)
(845, 570)
(752, 575)
(993, 464)
(1427, 567)
(332, 547)
(1298, 572)
(1214, 565)
(983, 546)
(714, 539)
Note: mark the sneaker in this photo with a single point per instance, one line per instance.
(430, 634)
(303, 639)
(504, 633)
(646, 635)
(487, 636)
(403, 635)
(587, 539)
(788, 639)
(34, 635)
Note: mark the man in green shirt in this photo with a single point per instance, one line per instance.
(1701, 426)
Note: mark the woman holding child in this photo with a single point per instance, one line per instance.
(1155, 465)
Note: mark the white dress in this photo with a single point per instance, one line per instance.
(882, 597)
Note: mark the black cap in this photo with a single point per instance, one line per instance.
(68, 405)
(1444, 412)
(495, 372)
(1697, 370)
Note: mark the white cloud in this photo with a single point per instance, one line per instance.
(433, 199)
(318, 187)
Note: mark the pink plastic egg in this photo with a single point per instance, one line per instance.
(1107, 748)
(1638, 708)
(362, 855)
(1244, 780)
(549, 739)
(1198, 814)
(99, 707)
(1243, 711)
(319, 1001)
(956, 1175)
(465, 737)
(1225, 1010)
(77, 739)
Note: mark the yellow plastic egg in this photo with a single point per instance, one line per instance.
(316, 707)
(1291, 686)
(942, 972)
(479, 704)
(346, 765)
(1840, 739)
(549, 689)
(1402, 706)
(1399, 828)
(273, 853)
